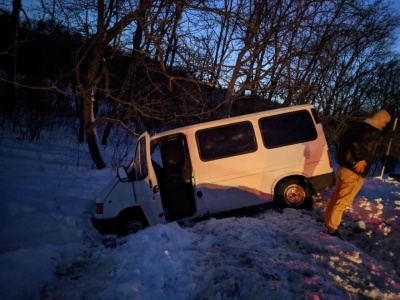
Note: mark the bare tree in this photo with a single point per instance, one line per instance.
(12, 57)
(169, 62)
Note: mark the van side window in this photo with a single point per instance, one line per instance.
(287, 129)
(227, 140)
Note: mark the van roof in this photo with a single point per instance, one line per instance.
(190, 128)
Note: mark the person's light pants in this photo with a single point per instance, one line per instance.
(348, 184)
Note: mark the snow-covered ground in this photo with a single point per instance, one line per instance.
(49, 250)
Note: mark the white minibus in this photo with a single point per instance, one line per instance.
(278, 156)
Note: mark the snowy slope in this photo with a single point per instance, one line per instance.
(49, 250)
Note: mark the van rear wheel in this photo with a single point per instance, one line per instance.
(293, 192)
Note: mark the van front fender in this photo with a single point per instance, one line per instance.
(117, 196)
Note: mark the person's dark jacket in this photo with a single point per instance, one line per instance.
(359, 142)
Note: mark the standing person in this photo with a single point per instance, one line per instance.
(355, 154)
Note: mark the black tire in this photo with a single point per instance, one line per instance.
(130, 221)
(293, 192)
(128, 226)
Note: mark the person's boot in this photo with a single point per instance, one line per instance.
(335, 233)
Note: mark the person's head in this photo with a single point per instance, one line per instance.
(380, 119)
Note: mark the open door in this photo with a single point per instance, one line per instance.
(146, 186)
(175, 179)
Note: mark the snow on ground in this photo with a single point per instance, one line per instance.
(49, 250)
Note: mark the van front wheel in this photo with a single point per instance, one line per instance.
(293, 192)
(129, 226)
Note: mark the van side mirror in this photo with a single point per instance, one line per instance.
(122, 174)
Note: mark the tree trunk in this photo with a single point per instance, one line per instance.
(91, 133)
(106, 133)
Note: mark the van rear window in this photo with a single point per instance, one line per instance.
(287, 129)
(227, 140)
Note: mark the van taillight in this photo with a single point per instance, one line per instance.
(99, 208)
(329, 156)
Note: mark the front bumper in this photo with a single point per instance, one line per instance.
(105, 226)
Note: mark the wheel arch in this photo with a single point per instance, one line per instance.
(132, 212)
(281, 179)
(294, 181)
